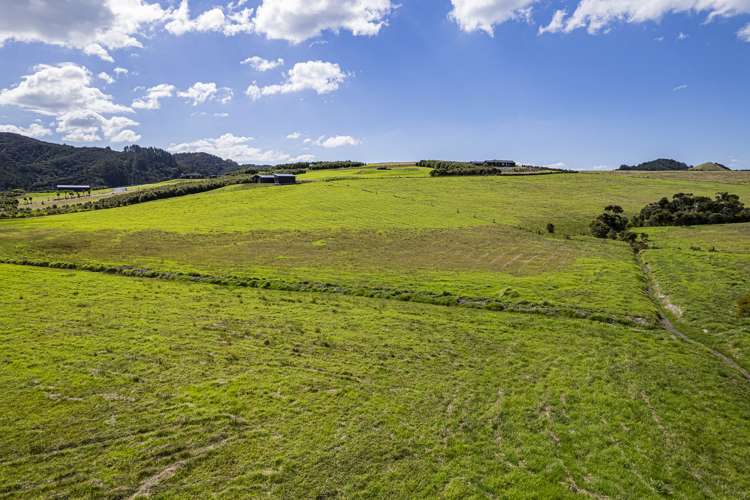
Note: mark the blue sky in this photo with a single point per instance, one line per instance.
(608, 82)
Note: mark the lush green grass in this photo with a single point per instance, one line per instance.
(569, 201)
(491, 262)
(370, 171)
(111, 381)
(704, 271)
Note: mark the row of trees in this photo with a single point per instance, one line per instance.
(121, 200)
(445, 168)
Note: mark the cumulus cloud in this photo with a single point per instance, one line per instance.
(64, 91)
(93, 26)
(262, 65)
(230, 21)
(200, 93)
(321, 77)
(597, 15)
(294, 136)
(88, 126)
(744, 33)
(153, 96)
(337, 141)
(120, 71)
(105, 78)
(33, 130)
(237, 148)
(484, 15)
(300, 20)
(679, 88)
(55, 90)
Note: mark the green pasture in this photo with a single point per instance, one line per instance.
(114, 386)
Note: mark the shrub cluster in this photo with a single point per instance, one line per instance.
(689, 210)
(614, 224)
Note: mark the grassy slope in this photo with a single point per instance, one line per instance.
(704, 271)
(244, 392)
(471, 236)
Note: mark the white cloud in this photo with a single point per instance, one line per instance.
(65, 92)
(55, 90)
(230, 22)
(33, 130)
(92, 26)
(473, 15)
(744, 33)
(237, 148)
(300, 20)
(557, 24)
(153, 96)
(105, 78)
(682, 36)
(221, 115)
(337, 141)
(597, 15)
(120, 71)
(89, 126)
(262, 65)
(294, 136)
(201, 93)
(680, 87)
(321, 77)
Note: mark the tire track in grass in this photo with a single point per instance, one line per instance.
(666, 323)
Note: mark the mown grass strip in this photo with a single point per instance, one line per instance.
(444, 298)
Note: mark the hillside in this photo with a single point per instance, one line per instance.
(378, 333)
(204, 163)
(31, 164)
(662, 164)
(710, 167)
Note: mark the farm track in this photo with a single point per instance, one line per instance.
(667, 324)
(433, 298)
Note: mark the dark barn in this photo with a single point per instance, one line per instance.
(283, 179)
(264, 179)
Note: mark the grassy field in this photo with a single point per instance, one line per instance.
(42, 200)
(703, 272)
(179, 386)
(127, 385)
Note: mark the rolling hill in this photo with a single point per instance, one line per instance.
(377, 333)
(31, 164)
(662, 164)
(710, 167)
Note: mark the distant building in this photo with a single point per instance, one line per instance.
(278, 179)
(77, 188)
(263, 179)
(285, 179)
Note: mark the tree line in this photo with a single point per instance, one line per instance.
(8, 209)
(442, 168)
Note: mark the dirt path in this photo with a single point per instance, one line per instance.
(662, 303)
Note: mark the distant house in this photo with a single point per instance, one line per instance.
(76, 188)
(278, 179)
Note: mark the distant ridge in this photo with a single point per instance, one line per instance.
(661, 164)
(31, 164)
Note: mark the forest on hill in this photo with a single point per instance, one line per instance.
(30, 164)
(657, 165)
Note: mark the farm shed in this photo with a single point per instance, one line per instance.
(285, 178)
(264, 179)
